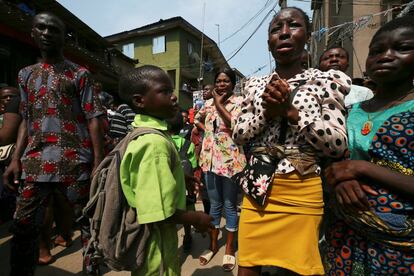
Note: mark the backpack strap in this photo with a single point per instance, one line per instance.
(184, 149)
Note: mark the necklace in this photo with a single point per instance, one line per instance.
(367, 126)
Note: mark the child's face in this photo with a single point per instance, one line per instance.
(391, 56)
(159, 101)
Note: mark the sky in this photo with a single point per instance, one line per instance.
(107, 17)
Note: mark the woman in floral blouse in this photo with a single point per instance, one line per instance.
(284, 232)
(220, 159)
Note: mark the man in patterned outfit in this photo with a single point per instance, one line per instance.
(59, 142)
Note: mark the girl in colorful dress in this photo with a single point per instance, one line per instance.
(284, 232)
(373, 233)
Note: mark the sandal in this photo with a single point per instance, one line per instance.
(229, 262)
(206, 256)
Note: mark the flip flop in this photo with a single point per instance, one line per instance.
(229, 262)
(206, 255)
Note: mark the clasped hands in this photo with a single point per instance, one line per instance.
(276, 100)
(345, 178)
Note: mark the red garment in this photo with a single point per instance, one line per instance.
(57, 100)
(197, 139)
(191, 114)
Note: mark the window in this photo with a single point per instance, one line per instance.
(128, 50)
(158, 44)
(190, 48)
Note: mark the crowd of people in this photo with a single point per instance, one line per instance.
(326, 166)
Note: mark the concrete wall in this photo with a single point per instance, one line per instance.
(362, 37)
(356, 42)
(175, 60)
(168, 60)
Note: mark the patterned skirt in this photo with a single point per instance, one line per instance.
(375, 242)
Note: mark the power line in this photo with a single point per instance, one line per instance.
(344, 27)
(244, 43)
(260, 69)
(248, 22)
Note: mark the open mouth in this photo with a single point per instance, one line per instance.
(284, 47)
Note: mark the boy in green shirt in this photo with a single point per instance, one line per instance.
(151, 181)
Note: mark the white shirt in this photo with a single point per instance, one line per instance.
(357, 94)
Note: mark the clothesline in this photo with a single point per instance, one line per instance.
(356, 24)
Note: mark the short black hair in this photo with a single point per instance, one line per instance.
(14, 90)
(400, 22)
(137, 81)
(229, 72)
(60, 21)
(304, 15)
(335, 47)
(175, 124)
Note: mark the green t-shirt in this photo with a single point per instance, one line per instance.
(156, 188)
(179, 143)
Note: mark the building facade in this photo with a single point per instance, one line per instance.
(355, 38)
(190, 57)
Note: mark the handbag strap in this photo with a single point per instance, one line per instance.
(284, 122)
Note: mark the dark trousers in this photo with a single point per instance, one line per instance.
(32, 200)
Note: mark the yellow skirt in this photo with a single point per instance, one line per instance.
(285, 232)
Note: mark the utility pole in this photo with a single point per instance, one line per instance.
(218, 35)
(200, 76)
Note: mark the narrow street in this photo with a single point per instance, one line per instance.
(69, 259)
